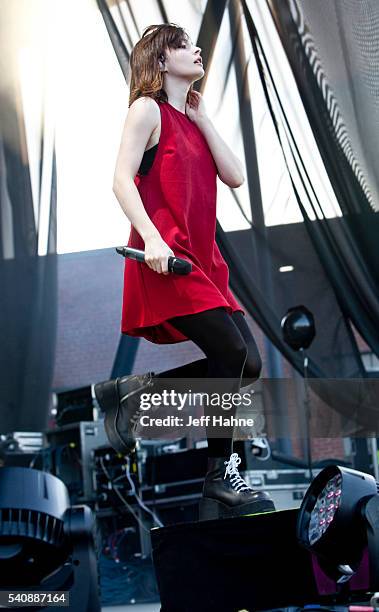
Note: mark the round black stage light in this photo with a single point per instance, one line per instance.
(45, 543)
(298, 327)
(332, 521)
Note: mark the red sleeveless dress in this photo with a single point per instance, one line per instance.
(179, 194)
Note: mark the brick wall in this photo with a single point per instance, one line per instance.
(89, 306)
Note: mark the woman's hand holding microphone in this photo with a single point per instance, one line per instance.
(158, 256)
(157, 253)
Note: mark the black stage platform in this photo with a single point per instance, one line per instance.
(252, 562)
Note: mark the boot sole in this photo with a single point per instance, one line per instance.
(212, 509)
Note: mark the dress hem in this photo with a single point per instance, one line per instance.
(129, 332)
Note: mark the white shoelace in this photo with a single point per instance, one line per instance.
(237, 482)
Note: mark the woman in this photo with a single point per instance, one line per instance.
(165, 181)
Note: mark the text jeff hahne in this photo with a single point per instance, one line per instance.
(203, 421)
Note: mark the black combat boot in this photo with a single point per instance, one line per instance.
(226, 494)
(119, 399)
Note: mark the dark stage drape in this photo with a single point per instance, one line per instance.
(333, 55)
(28, 264)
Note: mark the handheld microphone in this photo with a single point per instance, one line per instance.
(174, 264)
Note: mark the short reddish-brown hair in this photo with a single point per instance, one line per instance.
(146, 78)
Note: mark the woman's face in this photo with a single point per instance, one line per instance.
(184, 61)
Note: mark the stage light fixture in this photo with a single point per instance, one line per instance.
(338, 519)
(45, 543)
(298, 327)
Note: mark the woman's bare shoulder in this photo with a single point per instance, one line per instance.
(144, 108)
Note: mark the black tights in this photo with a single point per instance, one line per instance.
(231, 353)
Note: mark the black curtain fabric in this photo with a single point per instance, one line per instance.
(334, 352)
(267, 298)
(343, 33)
(28, 280)
(254, 276)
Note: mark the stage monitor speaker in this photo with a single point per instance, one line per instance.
(185, 464)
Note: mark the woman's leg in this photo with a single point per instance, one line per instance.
(253, 365)
(199, 368)
(224, 340)
(194, 369)
(216, 333)
(219, 337)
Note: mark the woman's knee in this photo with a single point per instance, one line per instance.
(234, 357)
(253, 365)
